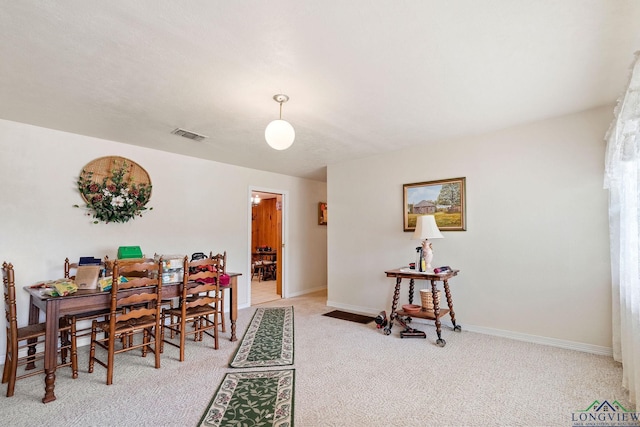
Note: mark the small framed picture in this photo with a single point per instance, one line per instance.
(444, 199)
(322, 213)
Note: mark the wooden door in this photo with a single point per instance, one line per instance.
(266, 230)
(278, 246)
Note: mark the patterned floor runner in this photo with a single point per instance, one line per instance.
(252, 399)
(268, 340)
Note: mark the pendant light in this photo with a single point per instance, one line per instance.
(279, 133)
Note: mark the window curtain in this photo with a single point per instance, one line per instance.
(622, 172)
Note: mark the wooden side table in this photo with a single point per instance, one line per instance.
(437, 313)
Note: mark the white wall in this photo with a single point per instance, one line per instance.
(198, 205)
(534, 259)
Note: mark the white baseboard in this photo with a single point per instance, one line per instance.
(519, 336)
(553, 342)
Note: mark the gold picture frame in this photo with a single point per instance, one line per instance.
(322, 213)
(445, 199)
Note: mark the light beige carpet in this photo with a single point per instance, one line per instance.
(347, 374)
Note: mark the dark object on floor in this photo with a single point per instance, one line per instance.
(381, 320)
(349, 316)
(409, 332)
(412, 333)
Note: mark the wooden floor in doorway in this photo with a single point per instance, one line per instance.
(263, 291)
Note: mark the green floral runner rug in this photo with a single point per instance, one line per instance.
(252, 399)
(268, 340)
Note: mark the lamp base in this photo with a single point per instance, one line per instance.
(427, 253)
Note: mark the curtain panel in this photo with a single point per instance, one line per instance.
(622, 171)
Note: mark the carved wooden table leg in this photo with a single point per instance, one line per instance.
(233, 331)
(411, 283)
(436, 312)
(233, 306)
(394, 306)
(51, 349)
(49, 384)
(456, 328)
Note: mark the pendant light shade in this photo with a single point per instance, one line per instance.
(279, 133)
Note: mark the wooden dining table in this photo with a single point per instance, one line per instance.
(87, 300)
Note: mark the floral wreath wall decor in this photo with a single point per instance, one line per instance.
(114, 189)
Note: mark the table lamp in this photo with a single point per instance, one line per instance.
(426, 229)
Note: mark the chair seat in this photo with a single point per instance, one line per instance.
(201, 310)
(31, 331)
(128, 325)
(35, 331)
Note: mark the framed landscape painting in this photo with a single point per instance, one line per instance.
(444, 199)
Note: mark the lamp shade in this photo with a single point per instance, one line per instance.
(279, 134)
(426, 228)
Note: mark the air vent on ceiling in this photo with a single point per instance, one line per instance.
(188, 134)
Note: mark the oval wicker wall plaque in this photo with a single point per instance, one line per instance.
(100, 168)
(114, 188)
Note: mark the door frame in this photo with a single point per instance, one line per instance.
(283, 232)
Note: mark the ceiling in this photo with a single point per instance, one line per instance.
(364, 76)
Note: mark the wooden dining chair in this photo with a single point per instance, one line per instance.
(222, 268)
(134, 310)
(29, 339)
(269, 272)
(167, 302)
(128, 338)
(257, 267)
(70, 273)
(199, 304)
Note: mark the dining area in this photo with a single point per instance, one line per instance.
(139, 306)
(264, 264)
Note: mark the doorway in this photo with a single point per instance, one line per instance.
(266, 247)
